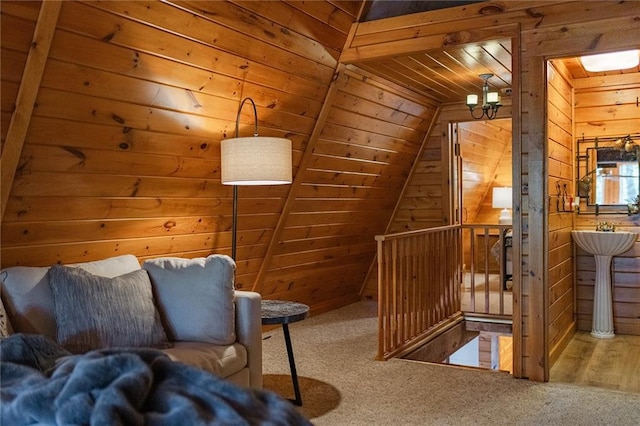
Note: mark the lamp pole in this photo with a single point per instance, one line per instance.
(234, 224)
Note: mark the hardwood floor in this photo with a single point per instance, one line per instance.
(586, 361)
(605, 363)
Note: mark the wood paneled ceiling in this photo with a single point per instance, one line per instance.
(449, 75)
(446, 75)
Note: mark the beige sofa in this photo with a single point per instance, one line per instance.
(186, 307)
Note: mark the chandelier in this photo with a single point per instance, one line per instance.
(490, 101)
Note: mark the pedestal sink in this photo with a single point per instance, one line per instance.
(603, 246)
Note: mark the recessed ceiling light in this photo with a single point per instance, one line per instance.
(610, 61)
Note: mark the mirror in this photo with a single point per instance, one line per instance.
(616, 176)
(609, 171)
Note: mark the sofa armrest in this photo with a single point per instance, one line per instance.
(249, 332)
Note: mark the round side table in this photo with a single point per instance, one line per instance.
(285, 312)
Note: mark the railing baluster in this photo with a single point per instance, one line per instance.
(402, 259)
(503, 272)
(486, 270)
(414, 287)
(473, 270)
(424, 289)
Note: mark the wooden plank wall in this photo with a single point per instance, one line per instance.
(122, 155)
(348, 192)
(561, 219)
(607, 106)
(134, 101)
(573, 30)
(424, 203)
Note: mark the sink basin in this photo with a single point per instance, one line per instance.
(603, 246)
(604, 243)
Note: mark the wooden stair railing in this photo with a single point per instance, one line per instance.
(420, 278)
(419, 275)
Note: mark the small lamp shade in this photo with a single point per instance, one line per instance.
(256, 160)
(493, 98)
(502, 199)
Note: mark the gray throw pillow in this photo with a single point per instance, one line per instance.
(94, 312)
(195, 297)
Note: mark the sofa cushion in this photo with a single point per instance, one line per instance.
(195, 297)
(28, 298)
(220, 360)
(94, 312)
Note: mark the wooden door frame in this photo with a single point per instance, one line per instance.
(512, 31)
(516, 181)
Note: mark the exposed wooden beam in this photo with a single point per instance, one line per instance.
(297, 181)
(516, 182)
(435, 42)
(27, 92)
(537, 310)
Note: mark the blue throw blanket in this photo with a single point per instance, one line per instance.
(43, 384)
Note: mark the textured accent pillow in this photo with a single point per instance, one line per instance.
(28, 298)
(94, 312)
(195, 297)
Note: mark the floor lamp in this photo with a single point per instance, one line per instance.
(255, 160)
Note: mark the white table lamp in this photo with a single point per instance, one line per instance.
(502, 199)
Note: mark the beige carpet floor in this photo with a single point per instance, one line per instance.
(343, 384)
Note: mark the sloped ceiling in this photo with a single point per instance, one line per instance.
(121, 153)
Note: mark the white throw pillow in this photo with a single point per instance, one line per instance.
(195, 297)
